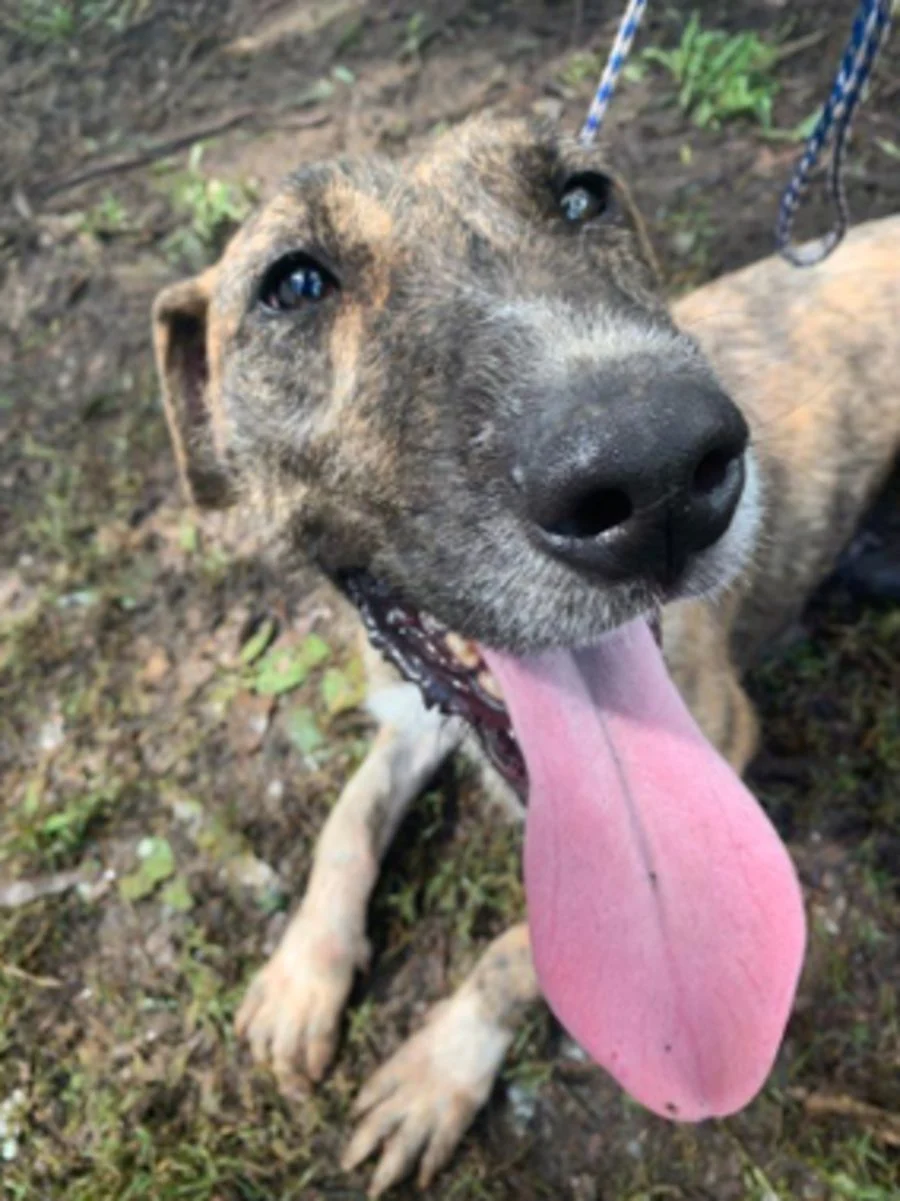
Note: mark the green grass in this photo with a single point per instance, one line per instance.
(51, 22)
(581, 67)
(419, 31)
(43, 21)
(107, 218)
(55, 831)
(720, 76)
(208, 209)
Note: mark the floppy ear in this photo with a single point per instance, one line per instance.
(180, 342)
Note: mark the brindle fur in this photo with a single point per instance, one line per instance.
(378, 429)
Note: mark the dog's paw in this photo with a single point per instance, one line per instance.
(417, 1107)
(292, 1012)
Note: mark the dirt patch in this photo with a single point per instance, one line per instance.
(175, 723)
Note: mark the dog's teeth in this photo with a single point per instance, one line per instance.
(488, 684)
(463, 650)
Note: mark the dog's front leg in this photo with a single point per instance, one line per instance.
(291, 1014)
(419, 1105)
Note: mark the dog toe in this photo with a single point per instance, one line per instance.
(381, 1086)
(445, 1140)
(321, 1045)
(259, 1033)
(249, 1007)
(399, 1155)
(287, 1036)
(370, 1134)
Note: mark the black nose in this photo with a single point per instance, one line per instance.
(633, 481)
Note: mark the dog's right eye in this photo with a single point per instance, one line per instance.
(586, 196)
(294, 281)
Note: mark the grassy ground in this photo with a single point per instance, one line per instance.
(175, 723)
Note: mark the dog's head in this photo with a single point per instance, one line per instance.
(456, 374)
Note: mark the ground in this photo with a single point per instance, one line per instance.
(175, 721)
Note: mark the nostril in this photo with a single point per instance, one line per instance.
(593, 514)
(712, 472)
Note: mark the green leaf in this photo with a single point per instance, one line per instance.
(304, 731)
(157, 863)
(257, 643)
(343, 75)
(351, 36)
(282, 670)
(279, 672)
(187, 537)
(891, 149)
(339, 691)
(321, 90)
(804, 130)
(177, 895)
(273, 900)
(799, 133)
(31, 802)
(314, 650)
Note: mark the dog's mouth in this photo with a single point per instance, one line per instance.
(449, 671)
(666, 920)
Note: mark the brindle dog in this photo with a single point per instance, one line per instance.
(453, 385)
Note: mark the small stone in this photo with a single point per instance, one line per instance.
(684, 242)
(248, 721)
(156, 668)
(51, 735)
(523, 1103)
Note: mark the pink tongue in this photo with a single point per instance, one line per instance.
(666, 920)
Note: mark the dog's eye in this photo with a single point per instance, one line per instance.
(293, 281)
(586, 196)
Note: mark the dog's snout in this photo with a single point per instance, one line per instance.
(635, 482)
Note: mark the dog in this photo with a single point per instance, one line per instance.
(452, 383)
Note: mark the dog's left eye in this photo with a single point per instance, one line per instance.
(585, 196)
(293, 281)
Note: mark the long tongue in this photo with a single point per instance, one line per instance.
(666, 920)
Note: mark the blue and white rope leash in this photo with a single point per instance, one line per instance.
(628, 27)
(870, 30)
